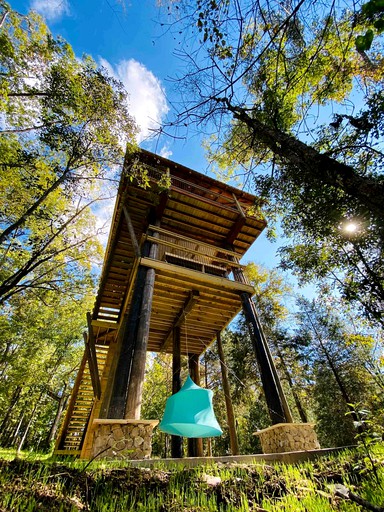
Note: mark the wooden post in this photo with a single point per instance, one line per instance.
(120, 376)
(136, 378)
(228, 400)
(176, 441)
(209, 440)
(275, 408)
(283, 399)
(195, 445)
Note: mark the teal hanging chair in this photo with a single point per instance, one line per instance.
(189, 413)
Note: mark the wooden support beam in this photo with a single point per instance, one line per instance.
(228, 400)
(195, 445)
(93, 369)
(176, 441)
(201, 277)
(239, 207)
(191, 300)
(131, 231)
(235, 230)
(271, 392)
(162, 205)
(136, 378)
(117, 387)
(238, 225)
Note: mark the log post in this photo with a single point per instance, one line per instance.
(228, 400)
(195, 445)
(272, 396)
(209, 440)
(121, 368)
(136, 378)
(176, 441)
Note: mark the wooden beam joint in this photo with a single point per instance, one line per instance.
(191, 300)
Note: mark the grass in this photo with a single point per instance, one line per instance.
(34, 482)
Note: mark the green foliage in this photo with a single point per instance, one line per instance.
(371, 13)
(40, 347)
(270, 87)
(65, 128)
(339, 358)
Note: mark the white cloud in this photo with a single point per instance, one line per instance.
(148, 104)
(165, 152)
(52, 10)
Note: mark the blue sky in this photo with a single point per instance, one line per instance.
(128, 39)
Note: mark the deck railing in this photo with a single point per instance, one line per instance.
(210, 196)
(194, 254)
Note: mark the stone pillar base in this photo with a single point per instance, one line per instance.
(288, 437)
(122, 439)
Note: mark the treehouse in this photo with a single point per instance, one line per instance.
(171, 281)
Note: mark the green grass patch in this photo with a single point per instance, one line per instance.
(34, 482)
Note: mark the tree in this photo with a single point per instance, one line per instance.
(340, 357)
(40, 347)
(259, 81)
(65, 126)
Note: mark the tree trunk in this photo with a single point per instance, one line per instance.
(56, 422)
(23, 439)
(14, 400)
(314, 165)
(271, 392)
(136, 378)
(12, 438)
(119, 376)
(302, 413)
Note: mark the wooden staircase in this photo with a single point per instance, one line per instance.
(76, 420)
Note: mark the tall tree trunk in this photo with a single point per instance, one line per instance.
(13, 402)
(136, 379)
(11, 441)
(62, 404)
(335, 372)
(300, 409)
(313, 164)
(271, 391)
(29, 424)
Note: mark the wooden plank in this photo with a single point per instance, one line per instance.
(219, 282)
(101, 323)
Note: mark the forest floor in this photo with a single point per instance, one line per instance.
(333, 483)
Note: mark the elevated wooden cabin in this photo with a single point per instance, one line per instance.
(171, 276)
